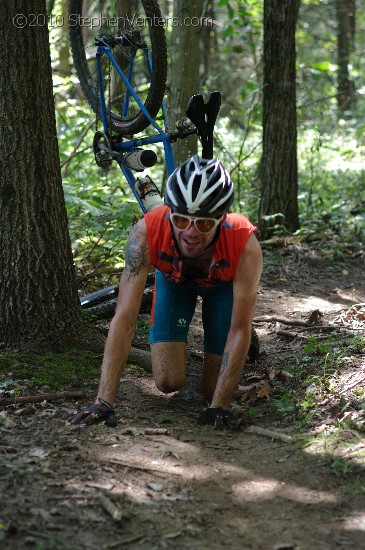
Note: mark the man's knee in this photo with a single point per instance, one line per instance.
(168, 384)
(169, 375)
(168, 365)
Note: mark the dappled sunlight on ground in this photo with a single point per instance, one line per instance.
(266, 488)
(356, 522)
(283, 478)
(311, 303)
(291, 303)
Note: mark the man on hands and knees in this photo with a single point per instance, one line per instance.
(200, 249)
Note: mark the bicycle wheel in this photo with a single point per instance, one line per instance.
(138, 22)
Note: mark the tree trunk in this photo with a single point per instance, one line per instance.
(346, 97)
(64, 52)
(209, 43)
(184, 77)
(279, 171)
(38, 294)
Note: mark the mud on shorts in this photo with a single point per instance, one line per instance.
(173, 309)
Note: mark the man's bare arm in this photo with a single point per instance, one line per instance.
(122, 327)
(238, 341)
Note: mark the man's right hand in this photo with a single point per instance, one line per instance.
(94, 413)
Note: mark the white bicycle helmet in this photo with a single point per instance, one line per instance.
(201, 187)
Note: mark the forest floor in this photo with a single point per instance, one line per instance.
(289, 474)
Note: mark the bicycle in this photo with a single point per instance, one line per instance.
(129, 69)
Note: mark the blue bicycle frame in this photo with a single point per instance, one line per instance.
(129, 145)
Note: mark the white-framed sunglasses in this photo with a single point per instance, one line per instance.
(202, 225)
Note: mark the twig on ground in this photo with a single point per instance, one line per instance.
(156, 431)
(40, 398)
(256, 430)
(287, 334)
(123, 541)
(143, 468)
(110, 507)
(294, 323)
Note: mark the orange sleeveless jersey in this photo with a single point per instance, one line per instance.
(228, 248)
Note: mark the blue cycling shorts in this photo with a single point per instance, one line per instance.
(173, 309)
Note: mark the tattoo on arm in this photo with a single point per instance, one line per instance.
(224, 364)
(135, 257)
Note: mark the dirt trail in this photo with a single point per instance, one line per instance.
(174, 484)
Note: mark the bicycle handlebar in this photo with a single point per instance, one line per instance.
(130, 152)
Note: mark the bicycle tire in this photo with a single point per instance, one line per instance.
(103, 311)
(134, 122)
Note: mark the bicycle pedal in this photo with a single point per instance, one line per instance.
(101, 144)
(103, 159)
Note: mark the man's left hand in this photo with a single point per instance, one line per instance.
(216, 416)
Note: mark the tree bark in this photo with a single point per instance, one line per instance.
(279, 170)
(38, 294)
(64, 52)
(346, 97)
(184, 76)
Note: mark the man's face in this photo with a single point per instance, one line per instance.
(191, 241)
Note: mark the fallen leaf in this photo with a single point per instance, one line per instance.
(106, 486)
(167, 454)
(37, 452)
(243, 389)
(284, 376)
(5, 420)
(264, 390)
(271, 373)
(254, 378)
(315, 317)
(44, 514)
(158, 487)
(249, 395)
(172, 535)
(25, 411)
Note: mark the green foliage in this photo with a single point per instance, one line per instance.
(10, 387)
(319, 374)
(343, 468)
(316, 381)
(286, 404)
(73, 368)
(331, 195)
(332, 185)
(100, 208)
